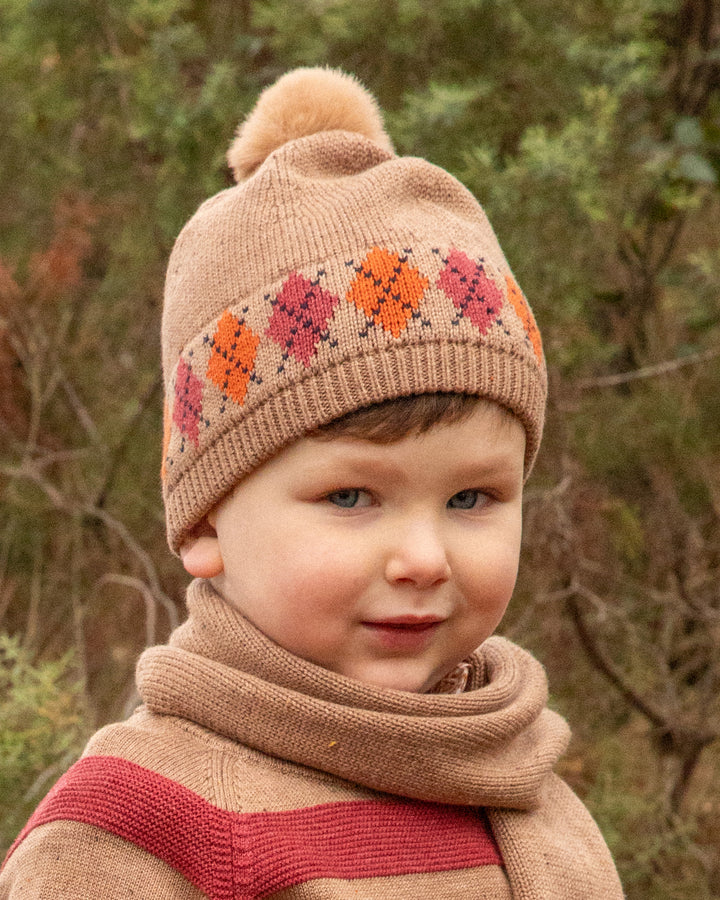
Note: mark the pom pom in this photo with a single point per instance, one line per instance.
(302, 102)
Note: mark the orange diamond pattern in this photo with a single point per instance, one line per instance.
(520, 305)
(387, 289)
(232, 358)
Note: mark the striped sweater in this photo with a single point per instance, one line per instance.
(248, 773)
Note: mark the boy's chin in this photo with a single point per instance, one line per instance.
(397, 676)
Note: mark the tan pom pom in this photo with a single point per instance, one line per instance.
(302, 102)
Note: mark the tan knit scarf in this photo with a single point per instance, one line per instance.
(492, 746)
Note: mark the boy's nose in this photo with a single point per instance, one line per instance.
(417, 555)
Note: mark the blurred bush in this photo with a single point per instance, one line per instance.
(43, 729)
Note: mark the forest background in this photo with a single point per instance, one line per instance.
(590, 131)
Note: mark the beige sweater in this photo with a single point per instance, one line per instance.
(249, 772)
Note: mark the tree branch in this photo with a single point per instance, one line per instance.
(61, 503)
(147, 595)
(679, 730)
(663, 368)
(604, 664)
(118, 451)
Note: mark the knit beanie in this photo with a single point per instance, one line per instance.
(333, 275)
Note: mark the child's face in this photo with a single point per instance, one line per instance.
(386, 563)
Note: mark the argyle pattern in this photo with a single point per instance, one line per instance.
(308, 321)
(387, 290)
(232, 357)
(300, 315)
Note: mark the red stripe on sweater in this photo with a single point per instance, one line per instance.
(234, 856)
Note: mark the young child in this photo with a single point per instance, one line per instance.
(355, 396)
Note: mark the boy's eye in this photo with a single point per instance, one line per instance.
(466, 500)
(350, 498)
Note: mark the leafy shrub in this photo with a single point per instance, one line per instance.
(44, 726)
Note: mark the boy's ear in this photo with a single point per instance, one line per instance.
(200, 554)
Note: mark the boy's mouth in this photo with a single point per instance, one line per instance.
(403, 633)
(410, 622)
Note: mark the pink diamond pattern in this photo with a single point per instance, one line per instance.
(187, 409)
(300, 315)
(472, 291)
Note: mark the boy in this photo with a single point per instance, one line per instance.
(355, 395)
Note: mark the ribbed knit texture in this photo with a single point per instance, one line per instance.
(251, 729)
(229, 854)
(468, 748)
(339, 275)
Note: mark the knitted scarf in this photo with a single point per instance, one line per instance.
(493, 746)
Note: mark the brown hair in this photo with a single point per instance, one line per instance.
(392, 420)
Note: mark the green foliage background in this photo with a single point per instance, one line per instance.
(590, 131)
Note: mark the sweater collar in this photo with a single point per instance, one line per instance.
(493, 745)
